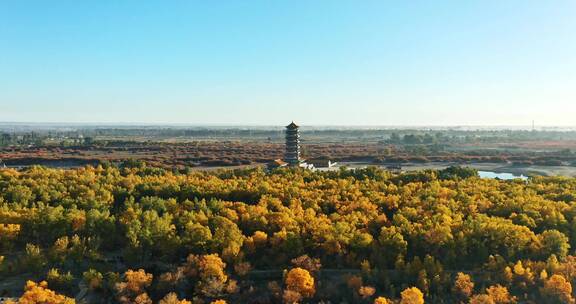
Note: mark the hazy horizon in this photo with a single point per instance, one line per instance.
(279, 124)
(321, 63)
(89, 125)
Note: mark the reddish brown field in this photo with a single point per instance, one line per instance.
(243, 153)
(224, 153)
(537, 145)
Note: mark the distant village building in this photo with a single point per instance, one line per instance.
(322, 163)
(277, 163)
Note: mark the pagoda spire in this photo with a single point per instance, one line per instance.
(292, 153)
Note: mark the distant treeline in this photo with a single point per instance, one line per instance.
(394, 136)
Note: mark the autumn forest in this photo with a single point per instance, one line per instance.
(139, 234)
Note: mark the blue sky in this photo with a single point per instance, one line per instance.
(484, 62)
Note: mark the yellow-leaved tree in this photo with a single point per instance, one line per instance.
(209, 270)
(500, 294)
(133, 288)
(411, 295)
(381, 300)
(463, 286)
(558, 289)
(172, 298)
(38, 293)
(299, 280)
(481, 299)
